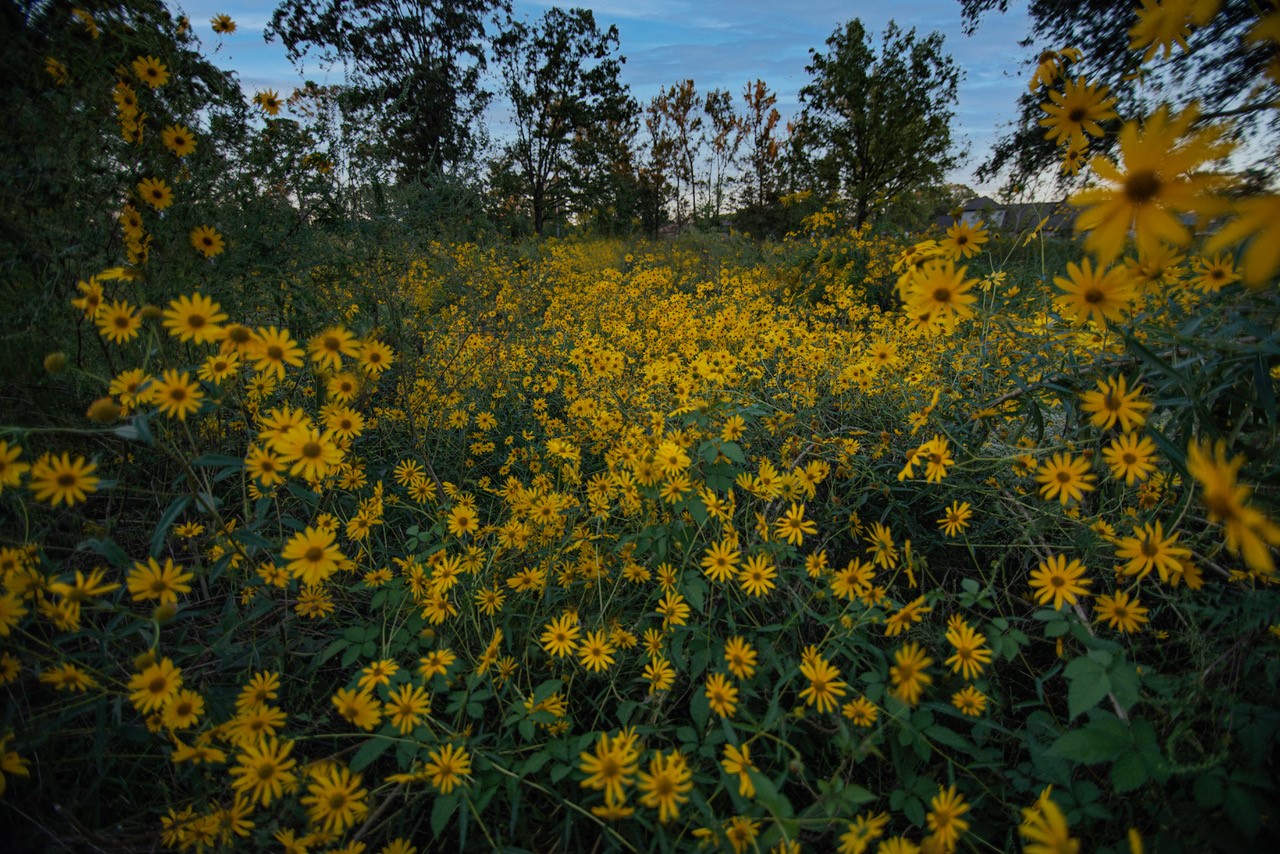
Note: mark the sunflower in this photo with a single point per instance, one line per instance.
(334, 800)
(969, 701)
(65, 676)
(1065, 478)
(11, 471)
(860, 711)
(1130, 457)
(1147, 549)
(963, 240)
(1057, 581)
(940, 290)
(375, 357)
(1044, 829)
(446, 766)
(11, 612)
(407, 706)
(206, 240)
(218, 368)
(261, 689)
(357, 707)
(721, 694)
(757, 576)
(956, 519)
(183, 711)
(824, 688)
(462, 520)
(560, 638)
(436, 663)
(264, 466)
(721, 561)
(944, 818)
(328, 348)
(312, 555)
(862, 831)
(792, 526)
(222, 24)
(269, 101)
(907, 674)
(152, 580)
(155, 685)
(1157, 180)
(344, 422)
(194, 318)
(1076, 111)
(659, 674)
(176, 394)
(179, 140)
(272, 349)
(155, 192)
(309, 453)
(150, 71)
(673, 610)
(666, 784)
(611, 766)
(596, 652)
(1120, 612)
(1100, 295)
(118, 322)
(1257, 220)
(343, 387)
(1248, 532)
(1114, 402)
(970, 656)
(61, 480)
(740, 658)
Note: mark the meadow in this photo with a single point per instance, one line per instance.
(341, 539)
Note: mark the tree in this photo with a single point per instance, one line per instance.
(758, 126)
(1219, 67)
(683, 123)
(878, 126)
(725, 139)
(562, 78)
(414, 68)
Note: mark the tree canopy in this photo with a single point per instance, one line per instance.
(877, 123)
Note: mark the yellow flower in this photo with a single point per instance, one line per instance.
(194, 318)
(11, 471)
(118, 322)
(164, 583)
(272, 349)
(155, 192)
(612, 766)
(150, 71)
(207, 241)
(1120, 612)
(155, 686)
(328, 348)
(1065, 478)
(1148, 548)
(61, 480)
(334, 800)
(1114, 402)
(596, 652)
(1076, 111)
(956, 519)
(176, 394)
(222, 24)
(944, 817)
(312, 555)
(721, 694)
(737, 760)
(666, 784)
(561, 636)
(407, 706)
(446, 767)
(1248, 532)
(740, 658)
(907, 674)
(757, 576)
(825, 687)
(179, 140)
(1099, 295)
(1057, 581)
(1160, 158)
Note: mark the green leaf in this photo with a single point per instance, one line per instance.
(1092, 744)
(1242, 809)
(173, 511)
(695, 590)
(545, 690)
(700, 708)
(108, 549)
(1129, 772)
(1088, 685)
(371, 750)
(733, 451)
(442, 812)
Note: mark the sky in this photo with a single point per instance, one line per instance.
(719, 44)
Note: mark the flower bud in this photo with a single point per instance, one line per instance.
(104, 410)
(55, 363)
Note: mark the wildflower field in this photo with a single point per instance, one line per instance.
(340, 539)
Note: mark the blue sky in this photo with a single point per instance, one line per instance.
(717, 43)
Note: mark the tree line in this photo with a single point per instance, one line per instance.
(872, 136)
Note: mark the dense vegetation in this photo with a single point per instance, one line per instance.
(332, 518)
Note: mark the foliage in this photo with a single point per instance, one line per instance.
(877, 123)
(561, 77)
(319, 532)
(414, 70)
